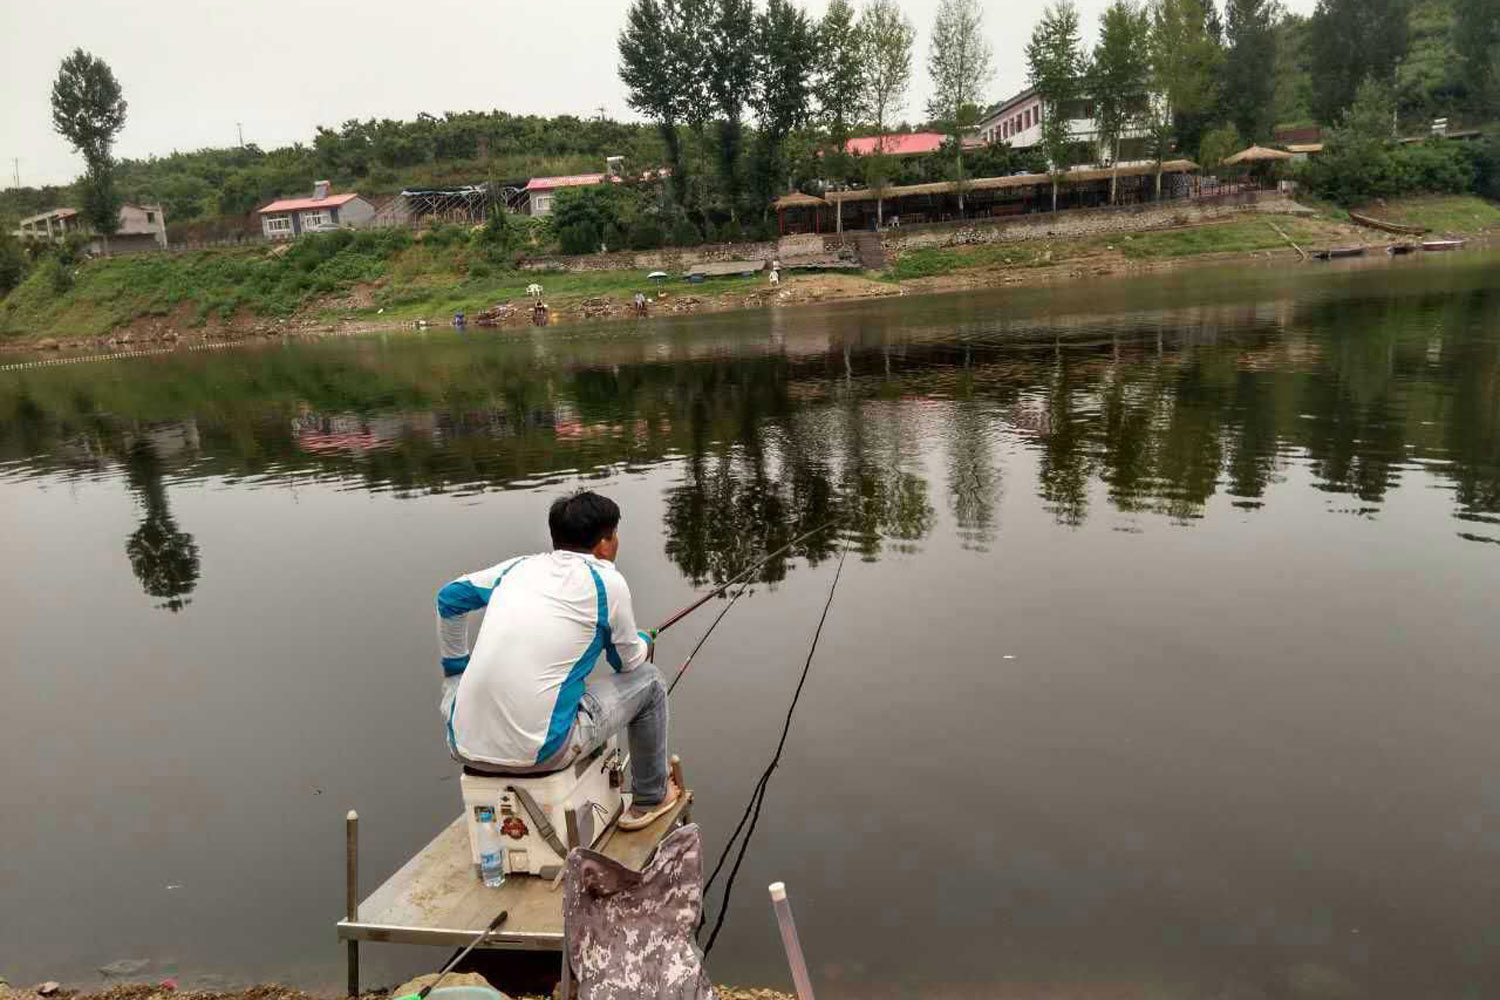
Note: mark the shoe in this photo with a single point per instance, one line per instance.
(640, 817)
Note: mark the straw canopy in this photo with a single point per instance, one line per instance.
(797, 200)
(1256, 154)
(1014, 181)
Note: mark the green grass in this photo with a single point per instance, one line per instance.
(430, 278)
(935, 262)
(1243, 236)
(428, 295)
(106, 294)
(1440, 213)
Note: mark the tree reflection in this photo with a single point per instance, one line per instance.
(844, 424)
(163, 558)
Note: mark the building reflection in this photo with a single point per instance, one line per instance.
(884, 429)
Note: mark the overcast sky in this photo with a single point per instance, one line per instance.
(191, 69)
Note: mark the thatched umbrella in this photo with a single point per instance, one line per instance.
(1256, 154)
(799, 200)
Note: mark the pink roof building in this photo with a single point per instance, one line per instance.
(541, 190)
(288, 218)
(904, 144)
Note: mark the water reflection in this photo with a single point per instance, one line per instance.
(163, 557)
(1175, 773)
(1156, 410)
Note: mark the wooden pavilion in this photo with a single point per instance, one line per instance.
(806, 213)
(1019, 194)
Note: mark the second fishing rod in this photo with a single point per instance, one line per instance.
(742, 577)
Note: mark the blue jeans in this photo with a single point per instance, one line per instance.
(635, 700)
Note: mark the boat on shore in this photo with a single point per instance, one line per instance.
(1388, 227)
(1441, 245)
(1335, 252)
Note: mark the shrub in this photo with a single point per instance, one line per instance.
(447, 236)
(579, 238)
(646, 234)
(685, 234)
(12, 263)
(1218, 145)
(59, 275)
(500, 238)
(730, 232)
(1485, 159)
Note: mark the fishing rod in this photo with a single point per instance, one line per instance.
(494, 925)
(742, 577)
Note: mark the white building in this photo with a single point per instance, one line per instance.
(1018, 122)
(322, 213)
(142, 227)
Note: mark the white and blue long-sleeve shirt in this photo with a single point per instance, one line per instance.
(548, 620)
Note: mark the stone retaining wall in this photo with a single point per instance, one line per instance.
(673, 260)
(1013, 229)
(1095, 222)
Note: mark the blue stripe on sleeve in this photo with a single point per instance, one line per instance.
(455, 664)
(460, 597)
(571, 691)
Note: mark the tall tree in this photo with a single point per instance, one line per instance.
(1055, 67)
(88, 110)
(1184, 71)
(1249, 90)
(653, 78)
(1476, 37)
(1213, 21)
(1121, 68)
(1351, 41)
(961, 63)
(885, 37)
(730, 72)
(784, 49)
(839, 84)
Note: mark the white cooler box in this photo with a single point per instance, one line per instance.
(542, 816)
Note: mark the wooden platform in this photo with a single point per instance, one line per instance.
(437, 899)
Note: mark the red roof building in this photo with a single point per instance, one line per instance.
(905, 144)
(288, 218)
(540, 190)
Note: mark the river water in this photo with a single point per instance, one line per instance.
(1163, 663)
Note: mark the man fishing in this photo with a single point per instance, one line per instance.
(527, 699)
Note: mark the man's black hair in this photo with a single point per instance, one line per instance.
(581, 521)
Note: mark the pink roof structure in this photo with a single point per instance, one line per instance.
(299, 204)
(573, 180)
(897, 145)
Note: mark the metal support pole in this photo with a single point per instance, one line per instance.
(789, 940)
(351, 888)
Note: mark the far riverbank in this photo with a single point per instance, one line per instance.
(409, 298)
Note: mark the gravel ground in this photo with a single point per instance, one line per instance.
(271, 991)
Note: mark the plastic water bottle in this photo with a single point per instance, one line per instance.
(491, 850)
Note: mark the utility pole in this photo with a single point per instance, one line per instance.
(241, 127)
(16, 162)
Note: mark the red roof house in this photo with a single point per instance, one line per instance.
(540, 190)
(904, 144)
(288, 218)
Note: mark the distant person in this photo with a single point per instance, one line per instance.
(527, 699)
(539, 314)
(458, 320)
(641, 308)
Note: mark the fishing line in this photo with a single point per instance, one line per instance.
(758, 797)
(704, 638)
